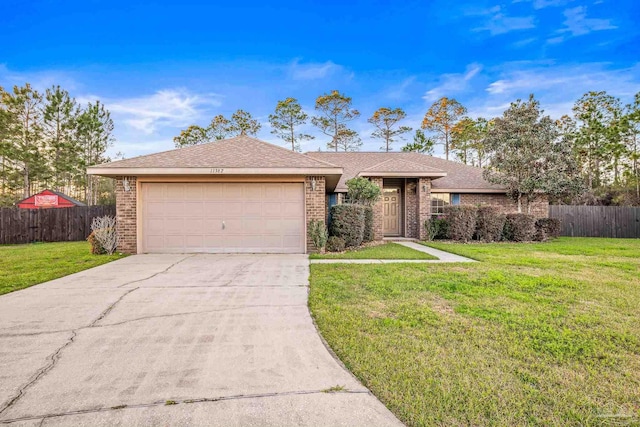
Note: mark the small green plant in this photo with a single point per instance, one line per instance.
(334, 389)
(347, 222)
(318, 234)
(362, 191)
(170, 402)
(335, 244)
(437, 228)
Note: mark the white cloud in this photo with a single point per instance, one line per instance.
(543, 4)
(577, 24)
(39, 80)
(498, 22)
(399, 91)
(453, 83)
(169, 108)
(313, 71)
(556, 87)
(567, 79)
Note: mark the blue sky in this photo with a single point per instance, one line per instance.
(161, 66)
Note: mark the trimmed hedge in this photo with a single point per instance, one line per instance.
(347, 222)
(437, 228)
(368, 224)
(520, 228)
(547, 228)
(462, 221)
(335, 244)
(490, 223)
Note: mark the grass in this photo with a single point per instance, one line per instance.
(22, 266)
(534, 334)
(386, 251)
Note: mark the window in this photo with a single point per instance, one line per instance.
(438, 202)
(455, 198)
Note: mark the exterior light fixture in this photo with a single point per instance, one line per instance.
(313, 184)
(125, 184)
(424, 188)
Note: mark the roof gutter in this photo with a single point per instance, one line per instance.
(404, 174)
(114, 171)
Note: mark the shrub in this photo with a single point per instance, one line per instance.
(368, 224)
(437, 228)
(318, 234)
(104, 232)
(335, 244)
(462, 221)
(347, 222)
(519, 227)
(96, 247)
(547, 228)
(362, 191)
(490, 223)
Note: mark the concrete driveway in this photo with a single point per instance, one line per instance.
(175, 340)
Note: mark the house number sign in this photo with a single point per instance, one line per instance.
(217, 170)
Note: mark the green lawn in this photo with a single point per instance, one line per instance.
(534, 334)
(385, 251)
(22, 266)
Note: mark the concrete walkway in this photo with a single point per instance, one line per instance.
(175, 340)
(443, 257)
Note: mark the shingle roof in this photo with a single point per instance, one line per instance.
(399, 164)
(459, 176)
(69, 198)
(239, 152)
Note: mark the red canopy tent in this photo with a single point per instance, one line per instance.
(48, 199)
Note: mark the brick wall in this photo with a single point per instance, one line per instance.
(126, 215)
(424, 205)
(539, 208)
(378, 212)
(315, 204)
(411, 214)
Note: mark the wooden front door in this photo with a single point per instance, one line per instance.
(391, 216)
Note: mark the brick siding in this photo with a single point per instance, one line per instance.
(424, 205)
(126, 215)
(315, 204)
(411, 214)
(378, 212)
(539, 208)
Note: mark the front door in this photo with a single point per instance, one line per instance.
(391, 216)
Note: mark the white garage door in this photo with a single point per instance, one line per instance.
(223, 217)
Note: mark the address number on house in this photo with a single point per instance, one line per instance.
(216, 170)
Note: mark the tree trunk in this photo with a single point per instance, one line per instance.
(25, 182)
(519, 203)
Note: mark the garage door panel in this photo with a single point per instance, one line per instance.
(271, 209)
(155, 192)
(174, 226)
(188, 217)
(274, 192)
(213, 192)
(193, 191)
(173, 209)
(175, 191)
(193, 209)
(293, 209)
(213, 209)
(174, 241)
(233, 192)
(232, 209)
(253, 209)
(194, 226)
(194, 242)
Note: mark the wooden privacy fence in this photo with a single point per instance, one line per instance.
(49, 225)
(597, 221)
